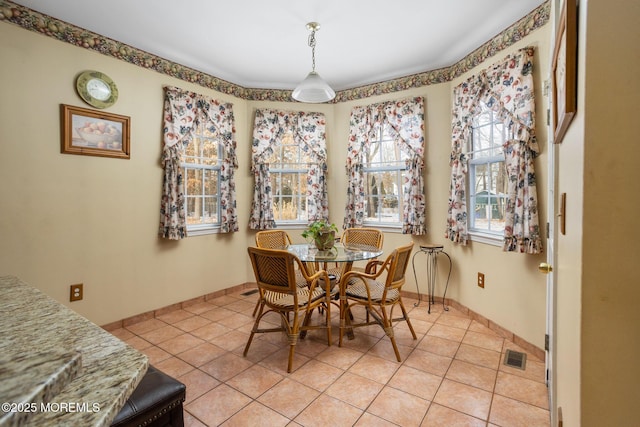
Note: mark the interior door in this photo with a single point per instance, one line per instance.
(551, 272)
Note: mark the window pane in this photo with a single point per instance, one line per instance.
(210, 215)
(193, 182)
(210, 182)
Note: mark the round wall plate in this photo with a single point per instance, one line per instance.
(96, 89)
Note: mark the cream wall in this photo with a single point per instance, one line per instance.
(69, 219)
(93, 220)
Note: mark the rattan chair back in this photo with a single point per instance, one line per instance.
(272, 239)
(362, 236)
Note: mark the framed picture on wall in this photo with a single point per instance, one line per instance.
(94, 133)
(563, 71)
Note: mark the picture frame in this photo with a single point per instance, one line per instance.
(563, 71)
(94, 133)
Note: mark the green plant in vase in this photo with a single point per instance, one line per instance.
(322, 233)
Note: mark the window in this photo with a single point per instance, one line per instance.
(487, 174)
(289, 168)
(201, 171)
(384, 174)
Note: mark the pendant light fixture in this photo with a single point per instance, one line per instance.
(313, 89)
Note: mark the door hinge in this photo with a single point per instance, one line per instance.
(548, 116)
(546, 342)
(547, 230)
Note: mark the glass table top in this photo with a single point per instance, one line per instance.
(339, 253)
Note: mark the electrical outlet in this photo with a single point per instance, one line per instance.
(481, 279)
(76, 292)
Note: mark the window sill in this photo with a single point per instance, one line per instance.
(202, 231)
(486, 238)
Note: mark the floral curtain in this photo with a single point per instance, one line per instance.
(308, 130)
(406, 122)
(506, 88)
(183, 110)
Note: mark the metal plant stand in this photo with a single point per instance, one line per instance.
(432, 252)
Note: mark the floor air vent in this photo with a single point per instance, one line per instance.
(515, 359)
(251, 292)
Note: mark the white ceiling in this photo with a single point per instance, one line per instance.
(263, 44)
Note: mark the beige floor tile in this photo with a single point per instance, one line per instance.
(210, 331)
(199, 308)
(279, 361)
(464, 398)
(479, 356)
(512, 413)
(122, 333)
(156, 354)
(138, 343)
(451, 375)
(398, 407)
(180, 343)
(473, 375)
(340, 357)
(453, 321)
(328, 411)
(289, 397)
(146, 326)
(254, 381)
(429, 362)
(226, 367)
(192, 323)
(317, 375)
(437, 345)
(191, 421)
(231, 340)
(161, 334)
(370, 420)
(256, 414)
(355, 390)
(490, 342)
(384, 350)
(416, 382)
(522, 389)
(533, 370)
(174, 367)
(175, 316)
(374, 368)
(447, 332)
(218, 405)
(439, 416)
(198, 383)
(201, 354)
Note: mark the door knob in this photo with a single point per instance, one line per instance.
(545, 268)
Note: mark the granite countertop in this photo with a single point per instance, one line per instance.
(57, 367)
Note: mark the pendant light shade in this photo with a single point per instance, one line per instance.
(313, 89)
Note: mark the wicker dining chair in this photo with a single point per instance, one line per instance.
(272, 239)
(363, 236)
(378, 298)
(276, 239)
(275, 272)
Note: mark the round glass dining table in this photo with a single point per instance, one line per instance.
(339, 253)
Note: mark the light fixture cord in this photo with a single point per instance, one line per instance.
(312, 44)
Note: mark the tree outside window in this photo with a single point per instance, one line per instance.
(384, 174)
(201, 170)
(487, 173)
(289, 167)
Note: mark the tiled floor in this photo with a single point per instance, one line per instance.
(452, 375)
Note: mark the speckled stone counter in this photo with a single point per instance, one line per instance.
(62, 368)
